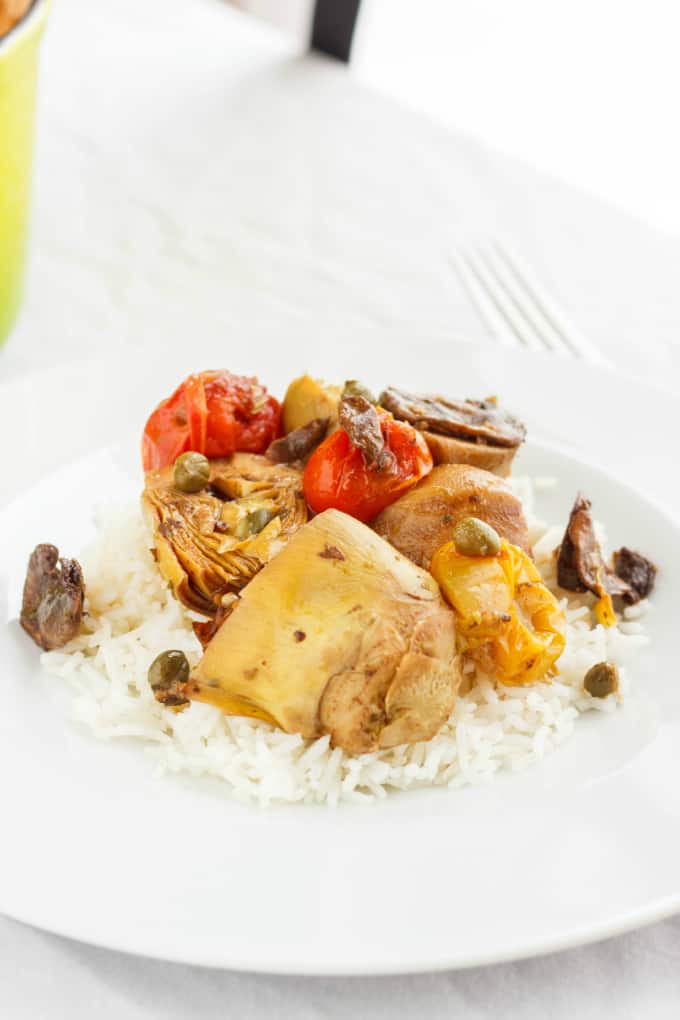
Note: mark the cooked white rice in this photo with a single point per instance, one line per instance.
(132, 617)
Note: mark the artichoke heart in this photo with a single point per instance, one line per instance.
(339, 634)
(210, 544)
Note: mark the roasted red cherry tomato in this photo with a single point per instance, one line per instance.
(215, 413)
(338, 476)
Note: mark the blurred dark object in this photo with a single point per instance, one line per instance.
(333, 27)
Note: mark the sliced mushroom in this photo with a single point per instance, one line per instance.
(299, 443)
(474, 432)
(359, 418)
(211, 543)
(424, 518)
(637, 571)
(358, 644)
(54, 592)
(474, 420)
(580, 564)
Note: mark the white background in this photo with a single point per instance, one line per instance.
(586, 89)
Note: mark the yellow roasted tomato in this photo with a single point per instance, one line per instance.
(508, 622)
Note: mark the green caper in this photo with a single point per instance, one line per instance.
(601, 680)
(476, 538)
(192, 472)
(168, 675)
(353, 388)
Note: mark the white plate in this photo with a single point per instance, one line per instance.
(581, 847)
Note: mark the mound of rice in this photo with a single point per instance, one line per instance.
(132, 617)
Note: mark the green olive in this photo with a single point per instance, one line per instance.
(601, 680)
(192, 472)
(168, 675)
(476, 538)
(353, 388)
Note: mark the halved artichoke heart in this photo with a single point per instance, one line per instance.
(210, 544)
(338, 634)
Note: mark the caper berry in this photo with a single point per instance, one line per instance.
(601, 680)
(476, 538)
(192, 472)
(168, 674)
(353, 388)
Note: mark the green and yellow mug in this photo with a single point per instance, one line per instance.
(18, 76)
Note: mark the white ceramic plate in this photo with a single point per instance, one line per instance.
(585, 845)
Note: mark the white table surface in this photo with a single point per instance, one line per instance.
(195, 177)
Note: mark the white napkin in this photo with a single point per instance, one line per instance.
(633, 977)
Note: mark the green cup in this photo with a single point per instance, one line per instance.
(18, 76)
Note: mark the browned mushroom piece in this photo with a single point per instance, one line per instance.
(474, 432)
(359, 418)
(423, 519)
(299, 443)
(637, 571)
(54, 592)
(580, 564)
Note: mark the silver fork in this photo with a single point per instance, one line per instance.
(515, 306)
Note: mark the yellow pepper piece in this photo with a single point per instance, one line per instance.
(508, 622)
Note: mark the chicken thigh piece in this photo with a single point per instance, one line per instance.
(423, 519)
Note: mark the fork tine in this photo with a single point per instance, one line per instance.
(483, 302)
(524, 303)
(546, 311)
(503, 304)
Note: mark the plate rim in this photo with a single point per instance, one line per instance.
(656, 910)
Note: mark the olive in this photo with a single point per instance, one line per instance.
(353, 388)
(601, 679)
(168, 674)
(192, 472)
(476, 538)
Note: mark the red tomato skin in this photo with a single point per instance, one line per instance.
(336, 476)
(215, 413)
(166, 433)
(232, 422)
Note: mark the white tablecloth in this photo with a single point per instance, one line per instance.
(196, 177)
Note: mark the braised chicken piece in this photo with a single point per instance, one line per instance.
(475, 432)
(338, 634)
(423, 519)
(209, 544)
(54, 592)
